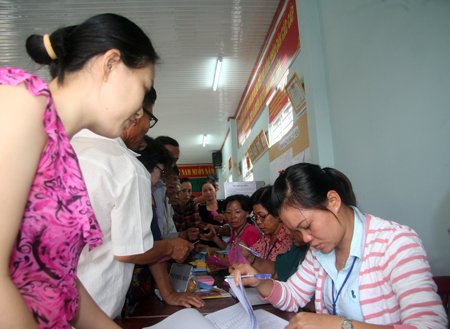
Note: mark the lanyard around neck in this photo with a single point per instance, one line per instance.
(237, 235)
(267, 256)
(343, 284)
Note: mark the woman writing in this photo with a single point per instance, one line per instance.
(101, 71)
(275, 240)
(365, 272)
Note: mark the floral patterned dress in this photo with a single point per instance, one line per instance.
(58, 221)
(270, 251)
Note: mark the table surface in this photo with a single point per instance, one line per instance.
(151, 311)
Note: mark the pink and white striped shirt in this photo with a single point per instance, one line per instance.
(396, 285)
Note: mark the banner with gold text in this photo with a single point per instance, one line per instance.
(276, 59)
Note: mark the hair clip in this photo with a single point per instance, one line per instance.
(282, 172)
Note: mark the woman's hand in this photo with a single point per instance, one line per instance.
(247, 254)
(244, 269)
(220, 218)
(219, 256)
(210, 235)
(306, 320)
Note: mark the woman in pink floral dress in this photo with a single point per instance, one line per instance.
(102, 69)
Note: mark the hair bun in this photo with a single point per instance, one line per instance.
(36, 49)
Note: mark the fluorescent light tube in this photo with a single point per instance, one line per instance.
(204, 140)
(217, 75)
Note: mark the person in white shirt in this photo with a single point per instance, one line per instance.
(120, 190)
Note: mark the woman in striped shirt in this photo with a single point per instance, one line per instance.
(364, 272)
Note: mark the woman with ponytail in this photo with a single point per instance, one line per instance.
(364, 272)
(101, 70)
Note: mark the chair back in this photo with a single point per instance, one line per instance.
(443, 290)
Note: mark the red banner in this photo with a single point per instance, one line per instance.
(196, 171)
(278, 102)
(278, 56)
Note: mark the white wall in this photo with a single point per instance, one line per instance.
(377, 80)
(386, 99)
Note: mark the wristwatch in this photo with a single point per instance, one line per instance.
(347, 324)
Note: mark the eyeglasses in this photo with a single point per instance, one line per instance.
(153, 119)
(161, 170)
(261, 218)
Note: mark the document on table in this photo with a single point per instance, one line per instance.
(239, 316)
(236, 317)
(239, 291)
(253, 297)
(233, 317)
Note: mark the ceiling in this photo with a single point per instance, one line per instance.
(188, 35)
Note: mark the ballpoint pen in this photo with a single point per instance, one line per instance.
(252, 251)
(257, 276)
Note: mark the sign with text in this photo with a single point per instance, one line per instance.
(196, 171)
(281, 48)
(179, 276)
(246, 188)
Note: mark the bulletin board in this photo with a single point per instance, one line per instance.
(291, 149)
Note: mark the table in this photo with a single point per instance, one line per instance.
(151, 311)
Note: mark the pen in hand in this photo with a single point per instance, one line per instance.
(257, 276)
(252, 251)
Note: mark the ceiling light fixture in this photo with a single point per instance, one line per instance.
(204, 140)
(217, 75)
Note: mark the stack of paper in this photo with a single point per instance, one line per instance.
(206, 279)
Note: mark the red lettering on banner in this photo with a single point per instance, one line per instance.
(196, 171)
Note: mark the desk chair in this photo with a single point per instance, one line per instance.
(443, 290)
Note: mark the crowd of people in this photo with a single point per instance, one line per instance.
(93, 216)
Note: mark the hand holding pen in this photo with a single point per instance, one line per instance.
(257, 254)
(250, 277)
(257, 276)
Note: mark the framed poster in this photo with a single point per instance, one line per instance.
(249, 161)
(258, 145)
(263, 139)
(255, 151)
(251, 155)
(296, 94)
(236, 167)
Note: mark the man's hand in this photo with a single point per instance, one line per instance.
(193, 233)
(185, 299)
(180, 249)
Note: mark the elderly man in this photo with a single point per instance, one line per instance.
(120, 190)
(172, 194)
